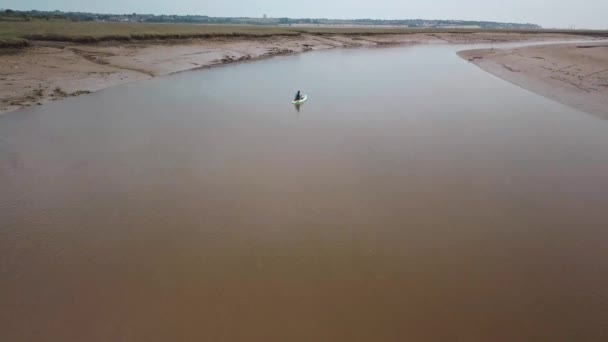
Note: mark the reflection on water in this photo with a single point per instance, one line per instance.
(437, 203)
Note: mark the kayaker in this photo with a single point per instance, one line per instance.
(298, 96)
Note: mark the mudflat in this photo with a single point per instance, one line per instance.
(572, 74)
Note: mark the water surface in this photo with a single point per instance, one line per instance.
(413, 197)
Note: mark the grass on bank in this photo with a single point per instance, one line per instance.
(18, 34)
(92, 32)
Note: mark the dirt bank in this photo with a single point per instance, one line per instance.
(573, 74)
(47, 71)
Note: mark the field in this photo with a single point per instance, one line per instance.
(17, 34)
(92, 32)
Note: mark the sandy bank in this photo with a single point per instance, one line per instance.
(573, 74)
(49, 71)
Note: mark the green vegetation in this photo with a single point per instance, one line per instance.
(363, 31)
(13, 43)
(203, 19)
(92, 32)
(19, 34)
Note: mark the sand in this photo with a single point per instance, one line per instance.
(50, 71)
(573, 74)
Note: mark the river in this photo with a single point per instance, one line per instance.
(412, 197)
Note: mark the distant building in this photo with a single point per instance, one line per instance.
(265, 16)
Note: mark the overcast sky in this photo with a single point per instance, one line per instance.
(548, 13)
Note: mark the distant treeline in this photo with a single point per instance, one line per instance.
(12, 15)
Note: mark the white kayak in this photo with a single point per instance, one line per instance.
(300, 101)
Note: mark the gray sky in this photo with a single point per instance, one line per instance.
(548, 13)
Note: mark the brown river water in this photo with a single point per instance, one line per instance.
(414, 197)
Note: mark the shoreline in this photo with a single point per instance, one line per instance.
(49, 71)
(573, 74)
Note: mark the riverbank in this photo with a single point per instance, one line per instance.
(49, 70)
(573, 74)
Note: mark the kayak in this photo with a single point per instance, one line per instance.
(300, 101)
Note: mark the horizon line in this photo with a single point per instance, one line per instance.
(269, 17)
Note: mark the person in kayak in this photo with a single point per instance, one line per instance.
(298, 96)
